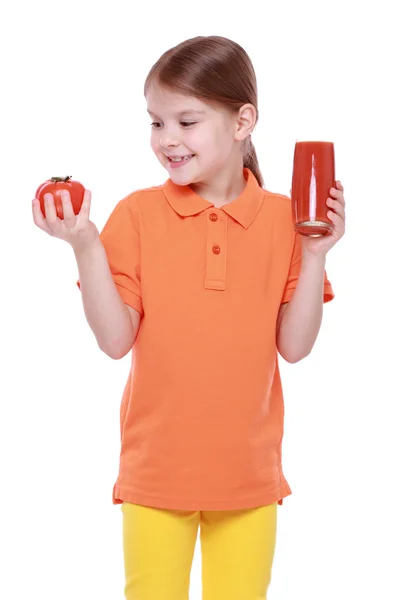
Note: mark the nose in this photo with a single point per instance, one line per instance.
(166, 141)
(167, 137)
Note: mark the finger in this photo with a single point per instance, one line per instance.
(337, 207)
(50, 210)
(335, 192)
(337, 221)
(338, 186)
(38, 216)
(85, 208)
(337, 195)
(68, 211)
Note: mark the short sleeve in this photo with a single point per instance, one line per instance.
(294, 272)
(120, 238)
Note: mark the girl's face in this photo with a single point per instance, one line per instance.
(183, 126)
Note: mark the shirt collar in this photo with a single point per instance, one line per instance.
(243, 209)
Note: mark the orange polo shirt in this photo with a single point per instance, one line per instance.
(202, 412)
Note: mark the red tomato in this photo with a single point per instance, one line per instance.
(54, 186)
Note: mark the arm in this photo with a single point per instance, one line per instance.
(300, 319)
(114, 324)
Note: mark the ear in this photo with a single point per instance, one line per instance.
(245, 121)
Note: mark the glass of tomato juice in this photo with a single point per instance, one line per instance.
(312, 178)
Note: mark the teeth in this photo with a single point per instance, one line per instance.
(181, 158)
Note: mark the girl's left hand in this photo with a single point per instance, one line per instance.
(336, 214)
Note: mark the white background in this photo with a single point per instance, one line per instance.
(72, 104)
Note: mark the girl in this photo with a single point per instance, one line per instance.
(205, 280)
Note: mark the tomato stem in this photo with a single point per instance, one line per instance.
(64, 179)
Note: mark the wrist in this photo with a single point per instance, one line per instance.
(86, 248)
(313, 257)
(314, 260)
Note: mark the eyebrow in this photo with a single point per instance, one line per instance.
(190, 111)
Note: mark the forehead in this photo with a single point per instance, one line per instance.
(167, 102)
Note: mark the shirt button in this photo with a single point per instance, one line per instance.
(213, 217)
(216, 249)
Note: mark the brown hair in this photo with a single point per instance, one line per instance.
(212, 68)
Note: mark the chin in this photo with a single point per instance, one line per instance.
(180, 179)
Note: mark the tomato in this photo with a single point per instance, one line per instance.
(55, 186)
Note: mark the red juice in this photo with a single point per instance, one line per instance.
(312, 178)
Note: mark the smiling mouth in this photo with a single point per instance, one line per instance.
(178, 159)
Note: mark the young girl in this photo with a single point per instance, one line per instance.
(205, 280)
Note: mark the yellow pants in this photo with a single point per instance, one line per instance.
(237, 548)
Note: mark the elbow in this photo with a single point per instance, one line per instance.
(115, 352)
(295, 358)
(116, 355)
(291, 355)
(109, 352)
(120, 353)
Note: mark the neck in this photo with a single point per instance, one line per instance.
(222, 188)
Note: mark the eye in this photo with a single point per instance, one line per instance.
(155, 124)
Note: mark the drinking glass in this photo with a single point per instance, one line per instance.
(312, 178)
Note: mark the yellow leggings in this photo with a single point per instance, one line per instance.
(237, 548)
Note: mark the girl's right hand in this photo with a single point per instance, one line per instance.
(77, 230)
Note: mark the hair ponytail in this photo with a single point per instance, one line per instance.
(251, 162)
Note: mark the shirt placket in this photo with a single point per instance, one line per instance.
(216, 249)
